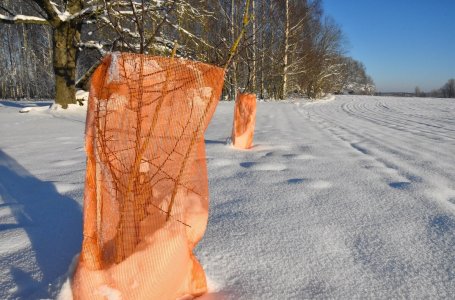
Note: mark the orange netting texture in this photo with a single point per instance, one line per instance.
(146, 191)
(244, 121)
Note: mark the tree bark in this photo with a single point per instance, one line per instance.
(286, 53)
(262, 84)
(64, 63)
(65, 37)
(253, 13)
(234, 64)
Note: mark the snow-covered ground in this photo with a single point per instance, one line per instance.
(350, 198)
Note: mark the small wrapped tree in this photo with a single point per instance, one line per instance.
(244, 121)
(146, 194)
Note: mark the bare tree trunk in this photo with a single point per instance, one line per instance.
(286, 51)
(234, 64)
(25, 68)
(64, 63)
(13, 78)
(65, 37)
(262, 88)
(271, 90)
(253, 79)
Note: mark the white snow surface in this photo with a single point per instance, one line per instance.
(350, 198)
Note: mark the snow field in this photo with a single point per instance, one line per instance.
(350, 198)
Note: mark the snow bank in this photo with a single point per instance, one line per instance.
(82, 95)
(79, 107)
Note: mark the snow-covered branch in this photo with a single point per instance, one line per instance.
(21, 19)
(93, 45)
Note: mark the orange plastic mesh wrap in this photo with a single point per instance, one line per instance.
(244, 121)
(146, 191)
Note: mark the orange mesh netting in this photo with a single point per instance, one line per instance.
(244, 121)
(146, 191)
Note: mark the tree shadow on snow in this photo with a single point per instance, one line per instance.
(23, 104)
(215, 142)
(52, 222)
(214, 296)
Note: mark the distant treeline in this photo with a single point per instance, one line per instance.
(289, 46)
(446, 91)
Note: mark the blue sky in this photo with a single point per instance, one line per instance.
(403, 43)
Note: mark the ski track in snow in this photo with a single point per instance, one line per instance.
(351, 198)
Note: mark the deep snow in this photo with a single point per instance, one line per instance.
(351, 198)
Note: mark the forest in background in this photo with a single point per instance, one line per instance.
(288, 47)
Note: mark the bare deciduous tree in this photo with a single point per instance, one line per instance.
(112, 19)
(448, 90)
(289, 47)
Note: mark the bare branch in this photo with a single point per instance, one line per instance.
(84, 78)
(6, 10)
(87, 12)
(51, 10)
